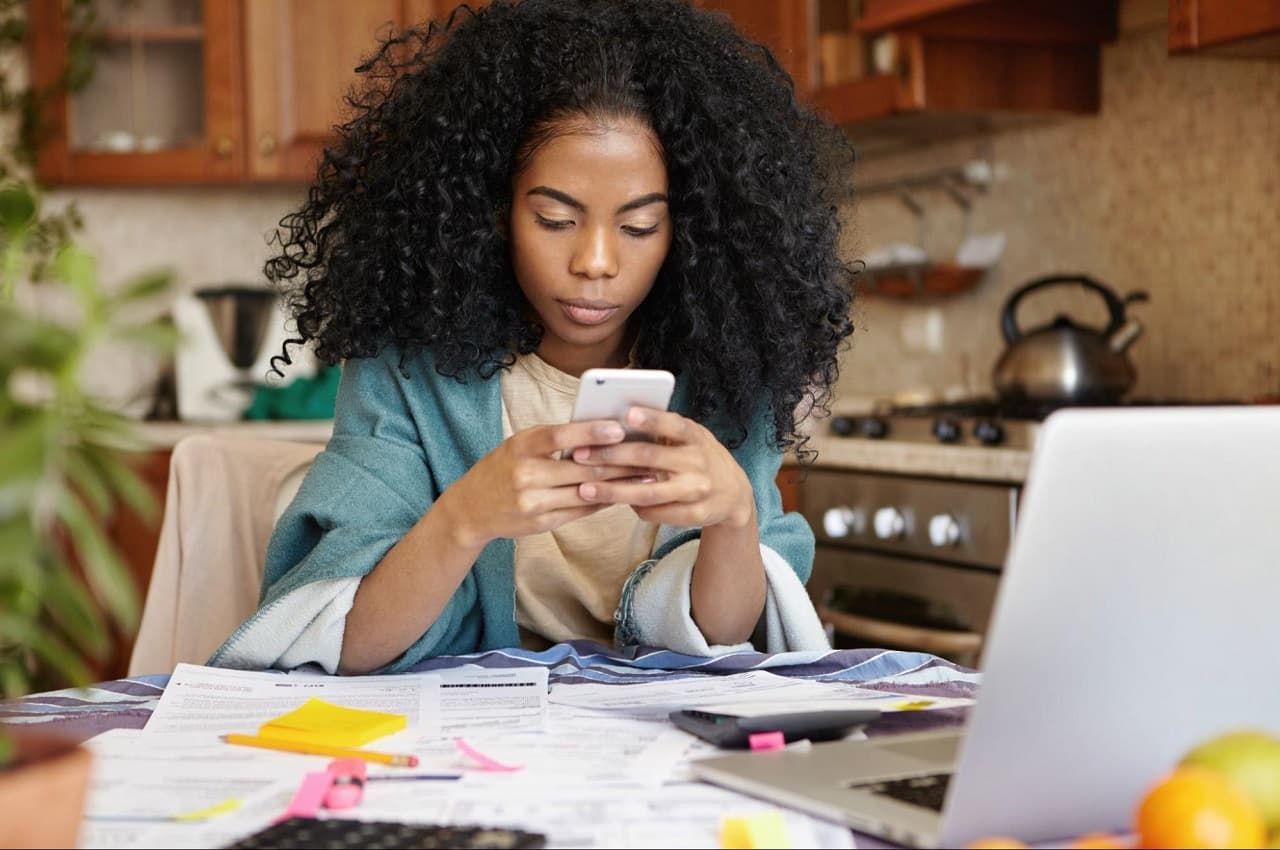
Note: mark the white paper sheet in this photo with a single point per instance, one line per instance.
(754, 692)
(213, 701)
(589, 778)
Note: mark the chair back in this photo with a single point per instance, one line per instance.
(223, 499)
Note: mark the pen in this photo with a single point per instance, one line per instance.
(321, 750)
(417, 777)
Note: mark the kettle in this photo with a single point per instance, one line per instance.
(1064, 362)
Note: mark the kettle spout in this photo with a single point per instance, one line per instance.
(1125, 336)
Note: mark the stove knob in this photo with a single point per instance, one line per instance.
(844, 426)
(876, 429)
(843, 521)
(944, 530)
(889, 523)
(988, 432)
(946, 430)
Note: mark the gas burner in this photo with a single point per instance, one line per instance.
(975, 422)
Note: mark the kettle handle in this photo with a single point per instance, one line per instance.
(1009, 319)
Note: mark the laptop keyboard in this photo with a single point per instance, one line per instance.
(928, 791)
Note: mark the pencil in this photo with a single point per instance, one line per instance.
(321, 750)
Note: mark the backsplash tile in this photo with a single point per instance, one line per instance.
(1174, 189)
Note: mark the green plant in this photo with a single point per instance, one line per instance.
(63, 467)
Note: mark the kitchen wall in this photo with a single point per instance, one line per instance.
(1174, 188)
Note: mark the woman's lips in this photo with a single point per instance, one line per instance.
(584, 315)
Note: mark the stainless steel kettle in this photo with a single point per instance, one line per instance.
(1064, 362)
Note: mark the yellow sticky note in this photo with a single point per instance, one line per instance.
(754, 832)
(913, 705)
(320, 722)
(733, 834)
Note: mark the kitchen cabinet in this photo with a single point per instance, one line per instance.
(939, 69)
(300, 59)
(232, 91)
(899, 72)
(204, 91)
(164, 104)
(1244, 28)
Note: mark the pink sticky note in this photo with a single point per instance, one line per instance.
(767, 741)
(485, 762)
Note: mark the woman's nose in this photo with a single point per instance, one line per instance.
(595, 255)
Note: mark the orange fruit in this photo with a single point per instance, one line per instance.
(1098, 841)
(996, 842)
(1194, 807)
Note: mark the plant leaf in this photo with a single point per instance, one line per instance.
(71, 607)
(125, 483)
(103, 567)
(22, 454)
(79, 270)
(143, 287)
(48, 647)
(19, 555)
(159, 336)
(13, 679)
(17, 209)
(89, 480)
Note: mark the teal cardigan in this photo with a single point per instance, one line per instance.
(401, 438)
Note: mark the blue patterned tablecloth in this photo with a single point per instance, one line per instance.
(128, 703)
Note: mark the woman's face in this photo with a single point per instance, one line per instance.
(589, 230)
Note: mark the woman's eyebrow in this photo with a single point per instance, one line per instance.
(643, 201)
(569, 200)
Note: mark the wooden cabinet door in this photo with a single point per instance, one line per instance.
(787, 27)
(1225, 27)
(300, 60)
(163, 106)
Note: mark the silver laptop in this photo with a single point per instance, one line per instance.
(1137, 615)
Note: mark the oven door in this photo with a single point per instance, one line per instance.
(870, 599)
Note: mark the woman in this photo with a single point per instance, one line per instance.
(531, 190)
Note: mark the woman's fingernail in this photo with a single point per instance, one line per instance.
(581, 455)
(635, 416)
(611, 431)
(588, 491)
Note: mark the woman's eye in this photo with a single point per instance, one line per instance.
(632, 230)
(554, 223)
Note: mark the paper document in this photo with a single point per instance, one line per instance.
(492, 699)
(754, 692)
(216, 701)
(213, 701)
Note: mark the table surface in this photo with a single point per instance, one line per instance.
(128, 703)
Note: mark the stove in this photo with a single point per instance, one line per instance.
(910, 561)
(978, 422)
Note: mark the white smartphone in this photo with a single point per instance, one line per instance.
(610, 393)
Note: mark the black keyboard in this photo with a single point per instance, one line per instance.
(928, 791)
(340, 834)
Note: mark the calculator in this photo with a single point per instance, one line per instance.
(730, 731)
(340, 833)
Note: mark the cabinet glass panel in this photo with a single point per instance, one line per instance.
(147, 89)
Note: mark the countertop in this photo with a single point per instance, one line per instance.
(910, 458)
(164, 435)
(891, 456)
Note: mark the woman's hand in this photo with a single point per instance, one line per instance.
(691, 479)
(525, 487)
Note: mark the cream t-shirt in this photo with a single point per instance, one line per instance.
(568, 581)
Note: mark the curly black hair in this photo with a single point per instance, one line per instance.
(400, 239)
